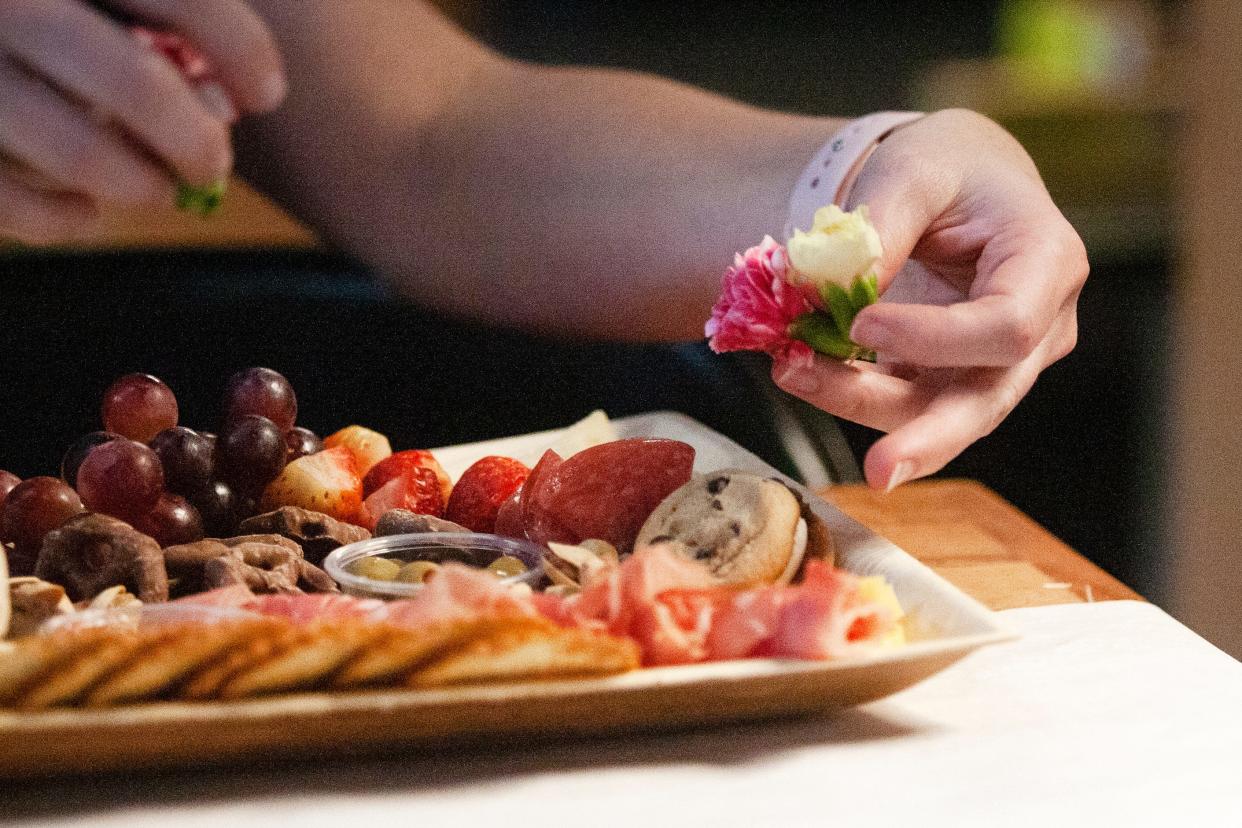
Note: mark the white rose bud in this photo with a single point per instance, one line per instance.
(839, 248)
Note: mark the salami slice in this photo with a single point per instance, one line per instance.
(604, 492)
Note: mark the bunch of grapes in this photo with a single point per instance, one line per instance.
(169, 481)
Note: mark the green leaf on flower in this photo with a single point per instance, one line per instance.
(871, 286)
(820, 331)
(838, 303)
(859, 298)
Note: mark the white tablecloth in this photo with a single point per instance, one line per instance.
(1102, 714)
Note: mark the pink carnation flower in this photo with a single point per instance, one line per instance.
(757, 305)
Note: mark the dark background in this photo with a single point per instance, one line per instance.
(1079, 454)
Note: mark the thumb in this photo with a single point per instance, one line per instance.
(901, 202)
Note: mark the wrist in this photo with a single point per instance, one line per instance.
(830, 173)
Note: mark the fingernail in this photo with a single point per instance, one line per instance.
(217, 100)
(798, 380)
(870, 333)
(902, 472)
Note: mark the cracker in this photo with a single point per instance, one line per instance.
(529, 650)
(317, 653)
(37, 656)
(259, 642)
(164, 662)
(399, 651)
(74, 676)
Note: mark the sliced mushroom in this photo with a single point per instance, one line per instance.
(117, 597)
(570, 565)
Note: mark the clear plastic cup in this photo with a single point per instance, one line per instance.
(469, 548)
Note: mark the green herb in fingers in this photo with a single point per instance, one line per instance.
(203, 200)
(197, 70)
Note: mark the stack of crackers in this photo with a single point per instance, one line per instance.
(245, 657)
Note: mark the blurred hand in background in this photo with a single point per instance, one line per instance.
(91, 114)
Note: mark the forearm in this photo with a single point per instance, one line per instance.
(581, 201)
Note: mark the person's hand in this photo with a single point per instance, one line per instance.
(90, 115)
(983, 275)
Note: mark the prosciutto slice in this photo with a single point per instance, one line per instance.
(453, 593)
(303, 609)
(678, 614)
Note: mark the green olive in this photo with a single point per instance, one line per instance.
(416, 572)
(376, 568)
(506, 566)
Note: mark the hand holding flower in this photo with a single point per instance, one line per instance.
(980, 276)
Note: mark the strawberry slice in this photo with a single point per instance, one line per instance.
(402, 461)
(326, 481)
(368, 447)
(482, 489)
(416, 489)
(536, 524)
(509, 517)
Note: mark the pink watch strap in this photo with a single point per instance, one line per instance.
(823, 181)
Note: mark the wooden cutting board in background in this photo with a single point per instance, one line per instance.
(980, 543)
(246, 219)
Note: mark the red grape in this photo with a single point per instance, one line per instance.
(171, 521)
(122, 478)
(139, 406)
(264, 392)
(301, 442)
(213, 441)
(7, 481)
(247, 506)
(252, 452)
(34, 508)
(217, 505)
(77, 452)
(187, 458)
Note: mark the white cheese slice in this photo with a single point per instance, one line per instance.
(592, 430)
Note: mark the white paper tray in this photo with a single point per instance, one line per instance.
(944, 624)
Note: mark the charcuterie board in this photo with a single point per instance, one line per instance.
(942, 623)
